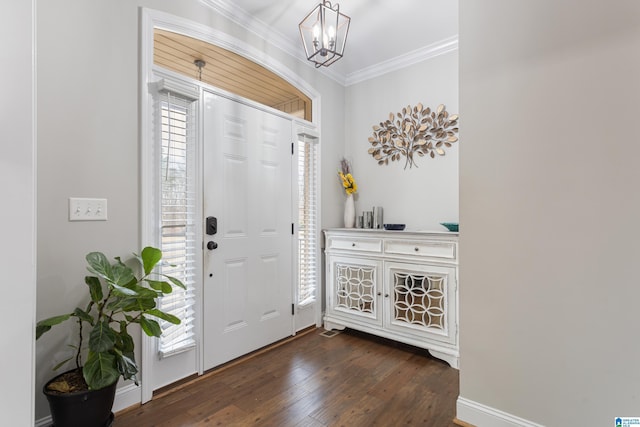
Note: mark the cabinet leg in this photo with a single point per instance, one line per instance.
(329, 325)
(453, 361)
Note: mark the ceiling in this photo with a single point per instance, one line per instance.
(382, 34)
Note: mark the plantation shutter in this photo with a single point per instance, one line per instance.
(178, 218)
(307, 220)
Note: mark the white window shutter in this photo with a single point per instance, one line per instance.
(307, 220)
(176, 116)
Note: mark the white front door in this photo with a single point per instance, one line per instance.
(247, 187)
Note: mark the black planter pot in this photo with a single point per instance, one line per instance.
(90, 408)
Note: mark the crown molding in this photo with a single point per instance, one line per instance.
(276, 38)
(422, 54)
(266, 32)
(254, 25)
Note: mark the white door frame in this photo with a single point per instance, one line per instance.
(150, 19)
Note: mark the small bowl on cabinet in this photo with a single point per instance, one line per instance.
(394, 226)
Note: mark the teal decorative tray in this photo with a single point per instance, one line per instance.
(451, 226)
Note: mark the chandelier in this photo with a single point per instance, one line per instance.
(324, 34)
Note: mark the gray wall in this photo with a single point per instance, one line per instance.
(88, 141)
(17, 216)
(549, 206)
(422, 196)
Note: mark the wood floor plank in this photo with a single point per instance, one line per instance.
(226, 417)
(351, 379)
(276, 410)
(364, 412)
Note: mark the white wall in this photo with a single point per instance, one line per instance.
(549, 205)
(88, 141)
(17, 216)
(422, 196)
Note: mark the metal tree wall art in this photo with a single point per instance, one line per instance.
(413, 131)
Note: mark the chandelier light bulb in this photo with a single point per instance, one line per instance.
(331, 31)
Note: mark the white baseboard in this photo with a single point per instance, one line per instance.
(126, 396)
(481, 415)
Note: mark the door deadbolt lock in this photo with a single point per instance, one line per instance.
(211, 245)
(211, 225)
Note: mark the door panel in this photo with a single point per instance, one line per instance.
(247, 186)
(234, 289)
(236, 205)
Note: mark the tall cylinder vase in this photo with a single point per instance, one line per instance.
(349, 212)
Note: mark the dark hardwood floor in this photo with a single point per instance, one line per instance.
(351, 379)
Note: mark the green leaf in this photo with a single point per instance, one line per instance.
(126, 344)
(140, 304)
(52, 321)
(122, 275)
(102, 338)
(132, 283)
(120, 302)
(160, 286)
(150, 327)
(46, 324)
(164, 316)
(95, 288)
(83, 315)
(138, 291)
(150, 257)
(146, 293)
(41, 329)
(134, 286)
(100, 370)
(125, 358)
(175, 281)
(59, 365)
(122, 290)
(127, 366)
(99, 264)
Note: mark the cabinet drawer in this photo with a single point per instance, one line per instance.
(355, 244)
(423, 248)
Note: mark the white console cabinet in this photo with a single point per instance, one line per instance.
(400, 285)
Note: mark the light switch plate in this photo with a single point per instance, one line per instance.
(87, 209)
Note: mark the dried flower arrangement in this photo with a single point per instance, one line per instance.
(347, 180)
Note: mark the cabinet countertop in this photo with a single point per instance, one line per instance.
(394, 233)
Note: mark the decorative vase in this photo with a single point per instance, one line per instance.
(349, 212)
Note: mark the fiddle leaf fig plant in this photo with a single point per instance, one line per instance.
(117, 298)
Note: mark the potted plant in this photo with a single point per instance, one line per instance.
(117, 298)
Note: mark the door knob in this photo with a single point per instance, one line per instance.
(211, 245)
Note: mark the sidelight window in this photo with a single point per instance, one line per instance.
(177, 130)
(307, 220)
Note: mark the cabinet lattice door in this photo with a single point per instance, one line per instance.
(355, 287)
(419, 299)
